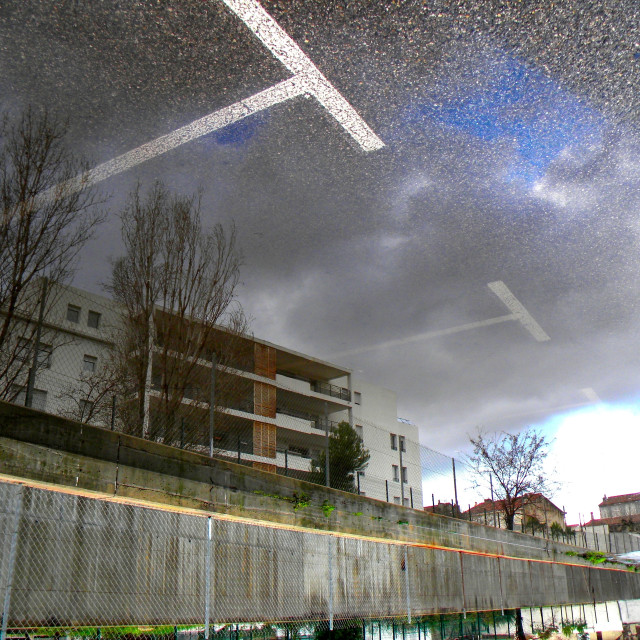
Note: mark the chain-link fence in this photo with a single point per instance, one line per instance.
(73, 566)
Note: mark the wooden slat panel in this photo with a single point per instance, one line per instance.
(264, 399)
(264, 439)
(265, 361)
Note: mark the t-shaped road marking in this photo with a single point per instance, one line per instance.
(306, 81)
(518, 312)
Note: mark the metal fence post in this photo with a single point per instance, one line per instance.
(327, 473)
(330, 558)
(401, 442)
(286, 461)
(113, 413)
(17, 513)
(212, 402)
(406, 584)
(455, 482)
(207, 582)
(411, 495)
(386, 486)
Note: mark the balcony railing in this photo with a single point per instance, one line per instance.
(317, 422)
(323, 423)
(332, 390)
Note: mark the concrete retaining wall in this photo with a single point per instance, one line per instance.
(81, 561)
(82, 551)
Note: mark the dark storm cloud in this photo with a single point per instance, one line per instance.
(508, 158)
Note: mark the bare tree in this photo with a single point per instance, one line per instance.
(48, 214)
(89, 398)
(516, 462)
(177, 285)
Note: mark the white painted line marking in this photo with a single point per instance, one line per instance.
(543, 411)
(280, 92)
(285, 49)
(426, 336)
(307, 80)
(515, 306)
(590, 394)
(518, 312)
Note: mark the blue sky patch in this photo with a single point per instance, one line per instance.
(506, 100)
(239, 133)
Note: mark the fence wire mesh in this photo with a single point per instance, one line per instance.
(73, 566)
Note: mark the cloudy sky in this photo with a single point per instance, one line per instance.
(510, 154)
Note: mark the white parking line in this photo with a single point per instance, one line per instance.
(426, 336)
(285, 49)
(307, 80)
(280, 92)
(590, 394)
(518, 310)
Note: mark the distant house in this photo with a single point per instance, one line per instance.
(618, 527)
(445, 509)
(627, 504)
(533, 509)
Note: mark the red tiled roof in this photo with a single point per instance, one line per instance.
(626, 497)
(614, 520)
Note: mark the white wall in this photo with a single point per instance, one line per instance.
(620, 509)
(378, 416)
(71, 341)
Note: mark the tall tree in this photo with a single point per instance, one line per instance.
(347, 456)
(177, 285)
(516, 463)
(48, 214)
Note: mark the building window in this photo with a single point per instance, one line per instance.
(73, 313)
(402, 446)
(23, 350)
(405, 475)
(357, 397)
(23, 353)
(396, 476)
(396, 499)
(93, 320)
(39, 399)
(44, 356)
(89, 363)
(394, 441)
(359, 431)
(407, 502)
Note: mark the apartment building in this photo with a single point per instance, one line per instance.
(76, 340)
(274, 407)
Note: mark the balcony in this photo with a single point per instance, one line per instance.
(332, 390)
(313, 421)
(291, 383)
